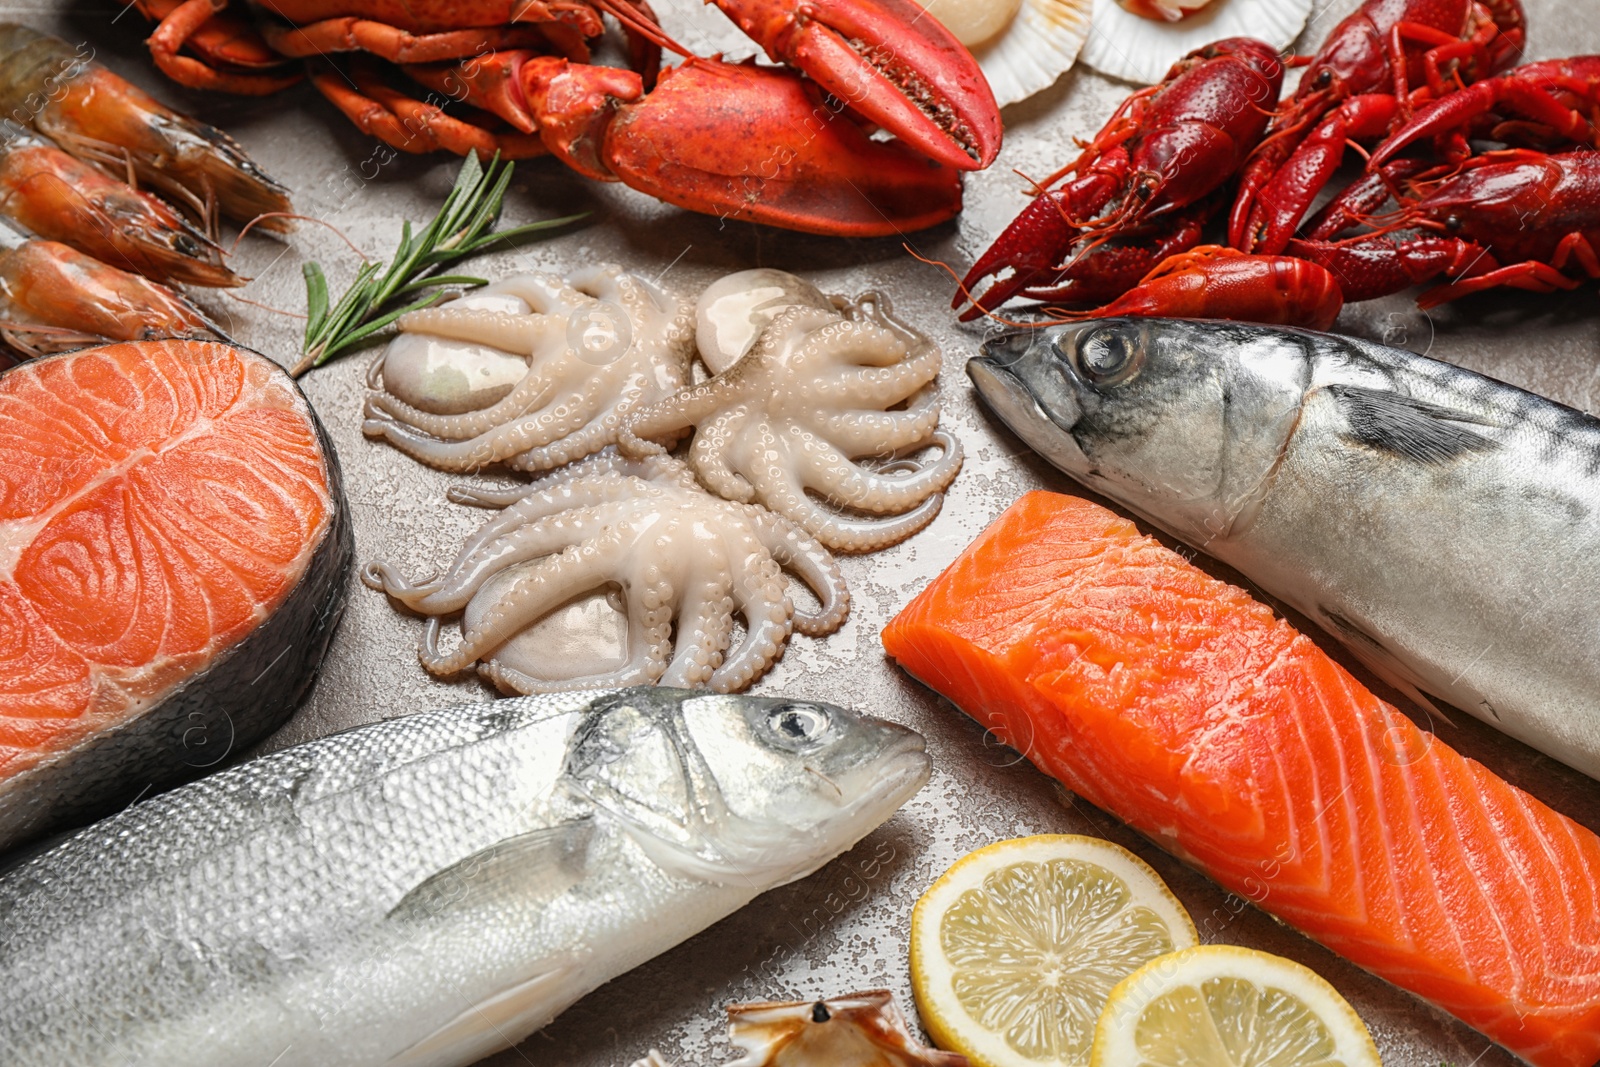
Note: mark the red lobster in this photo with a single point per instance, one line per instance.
(1142, 189)
(770, 145)
(1517, 218)
(1354, 88)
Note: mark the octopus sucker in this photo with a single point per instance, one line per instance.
(533, 372)
(634, 565)
(786, 425)
(857, 1030)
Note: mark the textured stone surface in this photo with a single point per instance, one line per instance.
(845, 928)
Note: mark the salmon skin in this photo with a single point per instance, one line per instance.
(174, 556)
(1438, 523)
(1176, 702)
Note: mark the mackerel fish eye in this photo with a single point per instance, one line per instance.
(799, 723)
(1107, 355)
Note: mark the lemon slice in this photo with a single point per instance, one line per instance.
(1223, 1006)
(1015, 949)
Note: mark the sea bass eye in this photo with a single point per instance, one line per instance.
(799, 723)
(1107, 355)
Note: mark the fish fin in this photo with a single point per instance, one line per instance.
(1377, 658)
(1407, 427)
(543, 864)
(496, 1023)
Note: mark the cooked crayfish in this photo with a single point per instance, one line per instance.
(1517, 218)
(53, 298)
(1355, 87)
(1142, 189)
(1557, 101)
(64, 199)
(96, 116)
(1212, 282)
(759, 143)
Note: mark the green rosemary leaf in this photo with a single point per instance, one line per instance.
(463, 226)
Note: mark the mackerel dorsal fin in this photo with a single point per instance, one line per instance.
(542, 864)
(1407, 427)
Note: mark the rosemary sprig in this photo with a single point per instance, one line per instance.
(463, 227)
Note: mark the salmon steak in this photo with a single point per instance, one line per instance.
(1182, 706)
(174, 554)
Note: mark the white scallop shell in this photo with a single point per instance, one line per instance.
(1039, 46)
(1136, 49)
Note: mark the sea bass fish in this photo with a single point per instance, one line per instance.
(1441, 524)
(430, 889)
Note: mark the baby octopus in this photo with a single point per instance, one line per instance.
(826, 382)
(533, 371)
(583, 578)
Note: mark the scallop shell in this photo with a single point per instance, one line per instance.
(1039, 46)
(1136, 49)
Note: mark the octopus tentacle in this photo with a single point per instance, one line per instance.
(522, 335)
(599, 433)
(827, 470)
(768, 615)
(875, 387)
(708, 457)
(878, 433)
(666, 418)
(705, 629)
(477, 564)
(527, 396)
(642, 669)
(385, 579)
(544, 293)
(560, 417)
(815, 566)
(783, 493)
(532, 596)
(859, 344)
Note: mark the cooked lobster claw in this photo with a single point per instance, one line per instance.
(737, 141)
(893, 64)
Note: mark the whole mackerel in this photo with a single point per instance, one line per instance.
(430, 889)
(1444, 526)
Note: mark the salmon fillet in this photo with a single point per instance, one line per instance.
(1176, 702)
(160, 502)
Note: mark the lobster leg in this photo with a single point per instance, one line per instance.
(892, 64)
(492, 82)
(1283, 201)
(226, 39)
(396, 45)
(1529, 91)
(185, 22)
(743, 142)
(413, 125)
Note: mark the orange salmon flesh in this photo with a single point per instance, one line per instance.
(157, 501)
(1178, 703)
